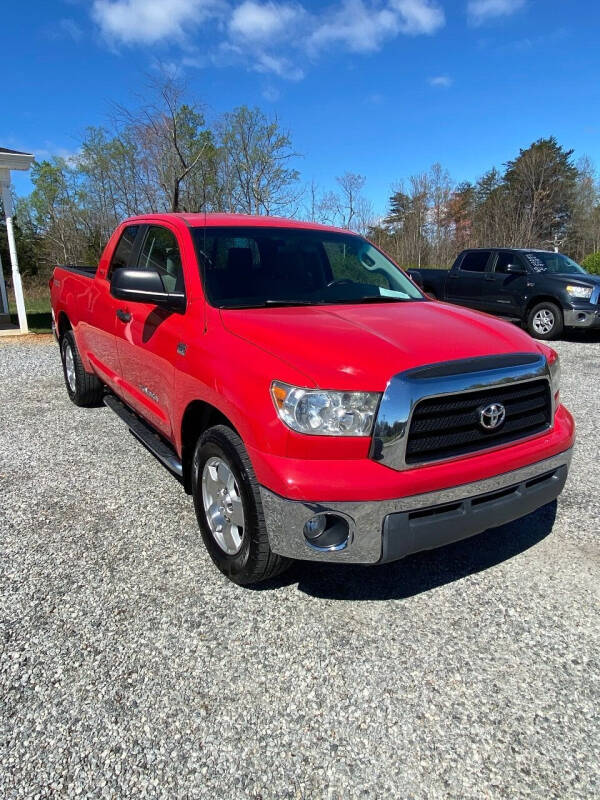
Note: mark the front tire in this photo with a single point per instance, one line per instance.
(545, 321)
(229, 509)
(84, 388)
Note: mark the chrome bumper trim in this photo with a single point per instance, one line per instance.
(285, 518)
(582, 318)
(406, 389)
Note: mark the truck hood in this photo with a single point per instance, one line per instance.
(564, 278)
(359, 347)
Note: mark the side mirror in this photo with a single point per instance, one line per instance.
(417, 278)
(145, 286)
(515, 269)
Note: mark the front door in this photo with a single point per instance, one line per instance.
(504, 292)
(148, 336)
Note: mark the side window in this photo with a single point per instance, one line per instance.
(503, 260)
(124, 249)
(475, 261)
(160, 252)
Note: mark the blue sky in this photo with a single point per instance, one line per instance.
(379, 87)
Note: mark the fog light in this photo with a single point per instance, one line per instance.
(327, 532)
(315, 527)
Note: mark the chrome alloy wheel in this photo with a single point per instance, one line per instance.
(543, 321)
(70, 367)
(223, 505)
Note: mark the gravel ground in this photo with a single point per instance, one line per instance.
(129, 667)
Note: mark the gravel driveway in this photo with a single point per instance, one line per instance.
(129, 667)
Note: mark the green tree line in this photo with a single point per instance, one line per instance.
(540, 199)
(166, 156)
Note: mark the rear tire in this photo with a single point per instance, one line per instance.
(545, 321)
(84, 388)
(229, 509)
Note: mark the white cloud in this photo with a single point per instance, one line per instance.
(442, 81)
(363, 27)
(262, 21)
(270, 36)
(419, 16)
(480, 11)
(149, 21)
(69, 28)
(278, 65)
(271, 94)
(355, 27)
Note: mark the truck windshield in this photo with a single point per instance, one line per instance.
(553, 262)
(259, 267)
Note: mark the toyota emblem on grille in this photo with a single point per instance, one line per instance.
(491, 417)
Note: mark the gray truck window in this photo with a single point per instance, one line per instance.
(475, 261)
(124, 249)
(160, 252)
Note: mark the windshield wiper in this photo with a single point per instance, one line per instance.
(275, 303)
(270, 303)
(375, 298)
(290, 302)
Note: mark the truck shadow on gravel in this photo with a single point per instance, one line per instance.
(582, 336)
(423, 571)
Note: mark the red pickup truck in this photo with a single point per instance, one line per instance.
(315, 403)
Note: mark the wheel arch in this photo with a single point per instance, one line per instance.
(197, 418)
(63, 324)
(543, 298)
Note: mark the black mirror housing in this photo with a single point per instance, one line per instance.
(515, 269)
(145, 286)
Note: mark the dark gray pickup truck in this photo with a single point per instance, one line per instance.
(545, 290)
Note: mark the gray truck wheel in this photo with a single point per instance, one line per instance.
(229, 509)
(84, 388)
(545, 320)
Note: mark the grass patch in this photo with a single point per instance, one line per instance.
(37, 305)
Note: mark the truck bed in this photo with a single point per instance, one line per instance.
(79, 269)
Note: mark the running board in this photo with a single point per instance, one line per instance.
(146, 435)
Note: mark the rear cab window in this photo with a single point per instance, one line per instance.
(475, 261)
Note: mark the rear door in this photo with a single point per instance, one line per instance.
(465, 282)
(504, 292)
(148, 336)
(101, 323)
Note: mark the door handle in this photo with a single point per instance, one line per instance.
(124, 316)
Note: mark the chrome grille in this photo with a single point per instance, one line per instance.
(448, 426)
(427, 413)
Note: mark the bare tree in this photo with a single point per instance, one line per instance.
(168, 135)
(351, 185)
(256, 172)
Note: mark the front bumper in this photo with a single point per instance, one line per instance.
(387, 530)
(587, 316)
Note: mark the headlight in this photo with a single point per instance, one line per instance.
(581, 292)
(554, 367)
(325, 413)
